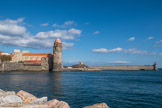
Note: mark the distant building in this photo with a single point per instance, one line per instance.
(34, 56)
(27, 57)
(38, 61)
(80, 65)
(17, 55)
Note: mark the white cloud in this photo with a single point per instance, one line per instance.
(96, 32)
(12, 33)
(75, 31)
(12, 27)
(68, 23)
(44, 24)
(131, 39)
(67, 45)
(120, 62)
(63, 34)
(54, 25)
(149, 38)
(104, 50)
(135, 51)
(65, 25)
(126, 51)
(160, 41)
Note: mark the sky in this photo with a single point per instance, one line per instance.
(96, 32)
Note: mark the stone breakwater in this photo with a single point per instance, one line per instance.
(23, 99)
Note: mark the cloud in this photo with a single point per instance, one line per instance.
(160, 54)
(120, 62)
(54, 25)
(75, 31)
(67, 45)
(44, 24)
(69, 23)
(160, 41)
(135, 51)
(149, 38)
(131, 39)
(104, 50)
(96, 32)
(126, 51)
(12, 27)
(65, 25)
(13, 33)
(62, 34)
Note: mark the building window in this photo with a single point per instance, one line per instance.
(31, 58)
(26, 58)
(37, 58)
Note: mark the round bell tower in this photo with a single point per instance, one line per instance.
(57, 56)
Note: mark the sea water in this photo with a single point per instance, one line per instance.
(118, 89)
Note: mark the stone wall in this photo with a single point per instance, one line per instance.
(13, 67)
(0, 67)
(33, 68)
(140, 67)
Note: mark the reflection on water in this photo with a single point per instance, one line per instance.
(124, 89)
(56, 85)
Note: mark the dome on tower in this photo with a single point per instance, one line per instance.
(57, 40)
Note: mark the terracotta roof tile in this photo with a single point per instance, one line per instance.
(37, 54)
(32, 60)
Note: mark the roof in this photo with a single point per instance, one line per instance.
(57, 41)
(37, 54)
(32, 60)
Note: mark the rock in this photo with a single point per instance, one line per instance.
(3, 93)
(1, 100)
(61, 104)
(35, 106)
(42, 100)
(9, 93)
(52, 103)
(25, 96)
(10, 99)
(100, 105)
(17, 105)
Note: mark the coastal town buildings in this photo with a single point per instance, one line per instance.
(26, 61)
(17, 55)
(21, 56)
(36, 61)
(30, 58)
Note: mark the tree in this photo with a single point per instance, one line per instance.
(5, 58)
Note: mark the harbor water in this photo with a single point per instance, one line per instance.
(118, 89)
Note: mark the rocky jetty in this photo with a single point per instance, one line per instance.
(23, 99)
